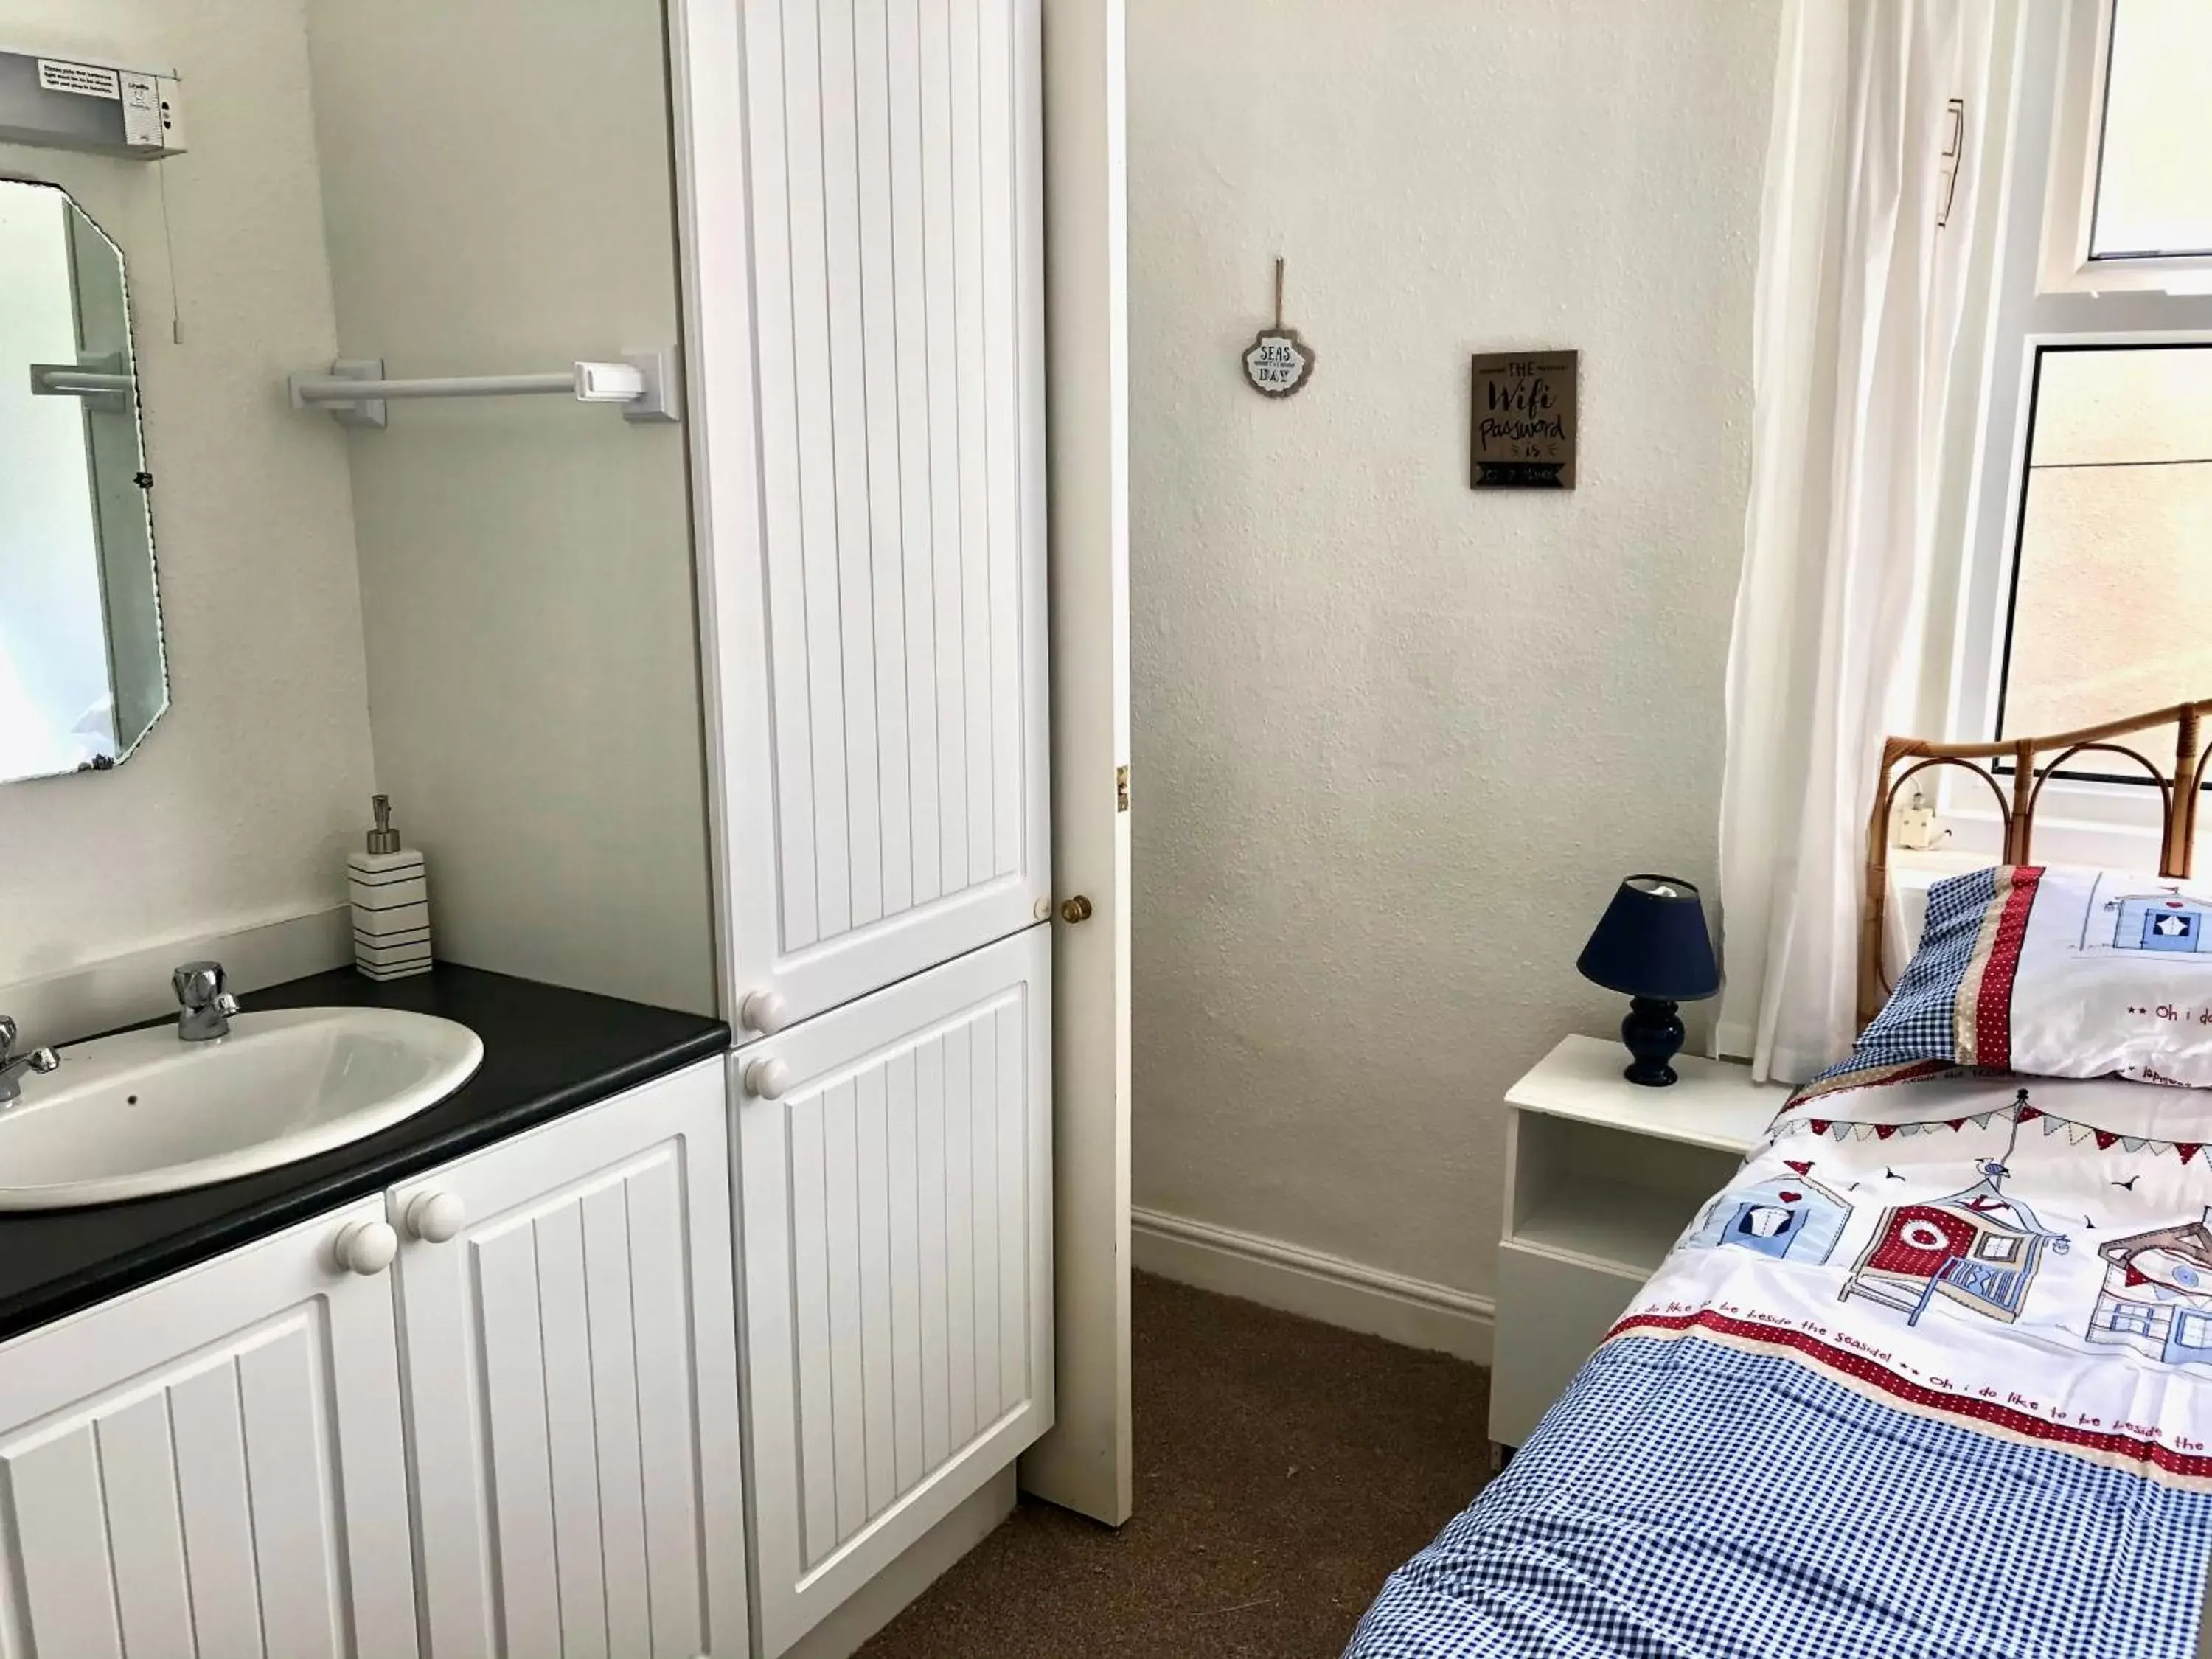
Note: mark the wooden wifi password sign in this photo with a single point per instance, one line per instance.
(1524, 425)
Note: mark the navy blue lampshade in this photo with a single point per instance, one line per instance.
(1652, 942)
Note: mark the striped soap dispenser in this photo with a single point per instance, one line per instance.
(391, 891)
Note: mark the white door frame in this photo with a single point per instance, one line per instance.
(1084, 1463)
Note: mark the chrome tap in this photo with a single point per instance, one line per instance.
(13, 1066)
(205, 1007)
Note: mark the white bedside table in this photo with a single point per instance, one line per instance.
(1602, 1176)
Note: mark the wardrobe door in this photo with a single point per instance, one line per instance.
(863, 234)
(895, 1168)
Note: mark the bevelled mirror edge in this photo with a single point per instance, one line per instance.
(83, 654)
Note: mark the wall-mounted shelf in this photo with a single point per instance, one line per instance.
(354, 392)
(89, 103)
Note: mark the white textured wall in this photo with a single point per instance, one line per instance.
(1396, 742)
(500, 198)
(239, 806)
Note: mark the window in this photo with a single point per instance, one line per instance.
(2123, 101)
(2113, 562)
(1993, 1247)
(2192, 1330)
(2089, 539)
(2132, 1318)
(2154, 191)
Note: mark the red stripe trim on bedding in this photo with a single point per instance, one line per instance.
(1993, 999)
(1857, 1367)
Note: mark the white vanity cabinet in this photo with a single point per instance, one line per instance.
(571, 1382)
(895, 1166)
(212, 1465)
(515, 1434)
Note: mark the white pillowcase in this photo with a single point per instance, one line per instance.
(2060, 971)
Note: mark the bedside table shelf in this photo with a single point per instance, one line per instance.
(1616, 1225)
(1601, 1177)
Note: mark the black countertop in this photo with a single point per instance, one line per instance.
(547, 1051)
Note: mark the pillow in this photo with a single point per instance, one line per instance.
(2062, 972)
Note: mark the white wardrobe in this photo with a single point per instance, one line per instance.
(861, 189)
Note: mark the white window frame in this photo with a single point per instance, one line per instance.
(2049, 292)
(2077, 142)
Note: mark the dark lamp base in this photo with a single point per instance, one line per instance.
(1653, 1033)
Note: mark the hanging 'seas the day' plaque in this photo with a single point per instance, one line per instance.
(1277, 362)
(1524, 425)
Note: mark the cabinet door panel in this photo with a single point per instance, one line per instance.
(571, 1383)
(1551, 1314)
(897, 1207)
(212, 1465)
(145, 1531)
(872, 379)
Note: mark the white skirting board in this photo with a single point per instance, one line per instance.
(1328, 1288)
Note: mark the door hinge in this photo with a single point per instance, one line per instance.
(1120, 788)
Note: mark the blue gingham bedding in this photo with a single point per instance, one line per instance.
(1930, 1379)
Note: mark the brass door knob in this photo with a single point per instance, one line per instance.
(1075, 909)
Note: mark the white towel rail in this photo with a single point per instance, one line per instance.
(67, 380)
(354, 392)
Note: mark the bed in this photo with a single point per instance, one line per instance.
(1931, 1378)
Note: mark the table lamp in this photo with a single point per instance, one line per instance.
(1652, 947)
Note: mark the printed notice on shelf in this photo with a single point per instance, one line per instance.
(89, 80)
(142, 111)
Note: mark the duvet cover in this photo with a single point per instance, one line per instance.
(1930, 1379)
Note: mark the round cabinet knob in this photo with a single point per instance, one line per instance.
(765, 1011)
(1075, 909)
(434, 1218)
(365, 1246)
(768, 1078)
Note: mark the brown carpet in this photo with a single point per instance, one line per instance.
(1283, 1469)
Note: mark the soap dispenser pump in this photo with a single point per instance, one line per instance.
(390, 892)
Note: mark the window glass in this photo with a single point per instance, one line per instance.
(2153, 185)
(2132, 1317)
(2113, 581)
(2192, 1330)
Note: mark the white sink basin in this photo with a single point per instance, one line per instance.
(143, 1112)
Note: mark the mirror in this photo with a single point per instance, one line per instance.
(83, 676)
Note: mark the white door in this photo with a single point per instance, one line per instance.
(571, 1385)
(1086, 1463)
(896, 1199)
(862, 241)
(214, 1465)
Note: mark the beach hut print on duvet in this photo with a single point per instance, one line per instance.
(1978, 1248)
(2168, 919)
(1791, 1218)
(2157, 1295)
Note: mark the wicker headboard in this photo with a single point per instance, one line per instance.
(2016, 810)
